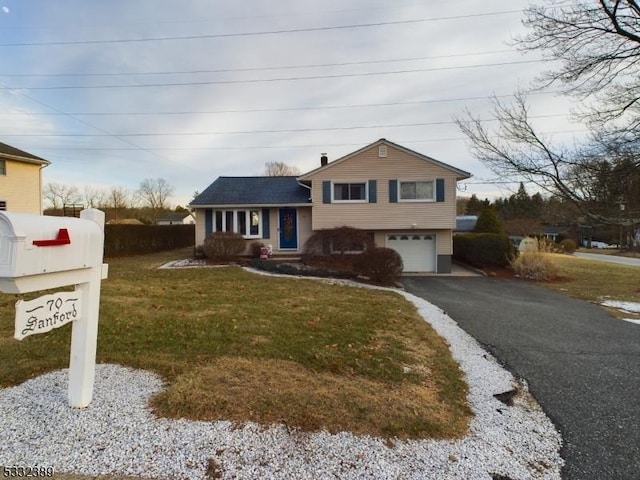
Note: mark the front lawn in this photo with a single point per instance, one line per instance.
(595, 281)
(243, 347)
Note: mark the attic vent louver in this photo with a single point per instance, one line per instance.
(382, 151)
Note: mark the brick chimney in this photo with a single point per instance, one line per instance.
(324, 159)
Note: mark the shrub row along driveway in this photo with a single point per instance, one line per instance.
(582, 365)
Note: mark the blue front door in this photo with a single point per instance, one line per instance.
(288, 228)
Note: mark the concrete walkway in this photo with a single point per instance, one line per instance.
(581, 364)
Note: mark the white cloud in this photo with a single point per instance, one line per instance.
(5, 9)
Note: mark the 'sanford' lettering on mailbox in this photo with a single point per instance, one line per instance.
(46, 313)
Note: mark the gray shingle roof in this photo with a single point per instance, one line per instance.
(253, 191)
(16, 152)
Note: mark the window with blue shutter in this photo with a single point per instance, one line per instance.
(373, 191)
(265, 223)
(440, 190)
(326, 191)
(393, 191)
(208, 221)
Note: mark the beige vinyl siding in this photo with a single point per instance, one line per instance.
(398, 165)
(21, 187)
(200, 225)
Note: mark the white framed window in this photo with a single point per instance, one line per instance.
(416, 190)
(3, 205)
(350, 192)
(3, 167)
(245, 222)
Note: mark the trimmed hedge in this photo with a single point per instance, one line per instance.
(122, 240)
(483, 249)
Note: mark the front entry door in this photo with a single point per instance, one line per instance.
(289, 228)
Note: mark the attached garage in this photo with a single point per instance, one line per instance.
(418, 250)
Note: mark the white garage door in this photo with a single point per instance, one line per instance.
(418, 251)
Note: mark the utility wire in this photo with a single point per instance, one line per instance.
(245, 132)
(103, 132)
(256, 34)
(281, 109)
(248, 69)
(267, 80)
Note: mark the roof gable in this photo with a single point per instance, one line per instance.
(460, 174)
(253, 191)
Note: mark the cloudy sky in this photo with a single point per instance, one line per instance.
(119, 91)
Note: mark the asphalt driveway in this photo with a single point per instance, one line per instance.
(581, 364)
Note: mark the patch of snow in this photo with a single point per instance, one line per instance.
(630, 307)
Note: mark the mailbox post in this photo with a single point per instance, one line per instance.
(38, 253)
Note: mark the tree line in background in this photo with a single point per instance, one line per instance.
(522, 214)
(146, 204)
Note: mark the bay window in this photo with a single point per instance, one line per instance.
(245, 222)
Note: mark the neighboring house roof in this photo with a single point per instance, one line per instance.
(174, 217)
(9, 152)
(253, 191)
(552, 230)
(466, 223)
(460, 174)
(125, 221)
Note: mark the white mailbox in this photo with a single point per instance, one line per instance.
(40, 253)
(33, 245)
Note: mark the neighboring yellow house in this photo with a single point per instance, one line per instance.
(404, 199)
(20, 180)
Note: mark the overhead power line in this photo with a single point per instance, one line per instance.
(268, 110)
(242, 132)
(259, 33)
(265, 80)
(247, 69)
(274, 147)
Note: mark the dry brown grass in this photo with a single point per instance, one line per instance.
(539, 266)
(245, 347)
(280, 391)
(595, 281)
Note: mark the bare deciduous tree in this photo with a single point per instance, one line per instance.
(280, 169)
(58, 194)
(93, 197)
(155, 193)
(582, 175)
(598, 46)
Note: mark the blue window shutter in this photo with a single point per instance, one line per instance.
(265, 223)
(393, 191)
(326, 191)
(373, 191)
(208, 221)
(440, 190)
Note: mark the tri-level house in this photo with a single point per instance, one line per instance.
(20, 180)
(405, 200)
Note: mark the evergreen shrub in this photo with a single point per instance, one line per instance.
(483, 249)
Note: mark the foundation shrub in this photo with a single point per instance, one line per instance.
(381, 265)
(537, 266)
(483, 249)
(223, 246)
(336, 248)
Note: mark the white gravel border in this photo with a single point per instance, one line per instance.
(118, 435)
